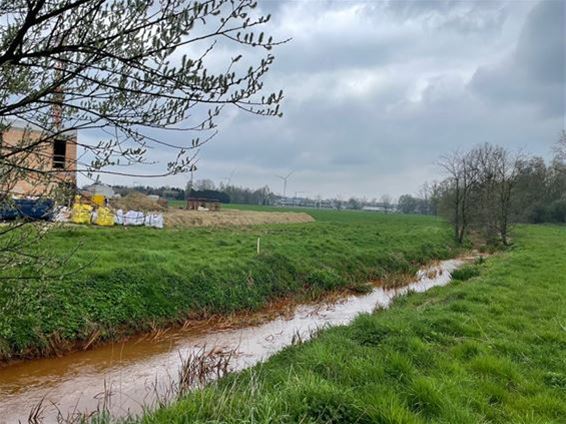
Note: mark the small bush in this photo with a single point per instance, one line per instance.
(465, 273)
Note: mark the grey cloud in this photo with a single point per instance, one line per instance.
(334, 54)
(417, 8)
(370, 107)
(456, 15)
(271, 6)
(386, 33)
(542, 45)
(536, 71)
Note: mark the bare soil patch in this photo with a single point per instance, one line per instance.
(137, 202)
(185, 218)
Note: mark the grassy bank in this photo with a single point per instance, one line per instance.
(491, 348)
(125, 280)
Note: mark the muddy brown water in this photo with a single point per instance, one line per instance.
(127, 376)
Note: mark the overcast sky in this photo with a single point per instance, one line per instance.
(376, 91)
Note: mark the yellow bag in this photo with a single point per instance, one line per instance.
(80, 214)
(99, 199)
(104, 217)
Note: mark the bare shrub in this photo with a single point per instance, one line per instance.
(203, 366)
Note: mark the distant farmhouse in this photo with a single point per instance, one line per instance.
(58, 157)
(380, 208)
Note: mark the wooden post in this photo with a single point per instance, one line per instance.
(258, 245)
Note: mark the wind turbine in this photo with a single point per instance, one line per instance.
(229, 179)
(285, 178)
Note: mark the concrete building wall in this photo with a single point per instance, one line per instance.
(41, 159)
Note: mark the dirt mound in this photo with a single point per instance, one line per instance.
(185, 218)
(136, 202)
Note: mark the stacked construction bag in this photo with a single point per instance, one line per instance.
(104, 217)
(81, 212)
(154, 220)
(96, 211)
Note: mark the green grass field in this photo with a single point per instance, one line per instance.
(125, 280)
(488, 348)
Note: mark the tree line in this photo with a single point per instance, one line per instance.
(206, 189)
(488, 189)
(230, 193)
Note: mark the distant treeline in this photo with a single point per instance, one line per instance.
(171, 193)
(228, 193)
(424, 204)
(206, 189)
(220, 196)
(248, 196)
(540, 191)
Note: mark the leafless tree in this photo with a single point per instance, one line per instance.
(478, 191)
(385, 201)
(205, 184)
(497, 170)
(430, 193)
(462, 176)
(560, 148)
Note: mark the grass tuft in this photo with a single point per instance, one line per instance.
(466, 272)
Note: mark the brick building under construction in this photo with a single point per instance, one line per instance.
(50, 165)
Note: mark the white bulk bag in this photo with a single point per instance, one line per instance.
(154, 220)
(134, 218)
(119, 217)
(62, 214)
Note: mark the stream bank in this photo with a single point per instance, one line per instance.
(489, 347)
(124, 378)
(119, 282)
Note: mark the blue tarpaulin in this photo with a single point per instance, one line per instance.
(33, 209)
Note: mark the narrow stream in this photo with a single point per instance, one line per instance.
(139, 371)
